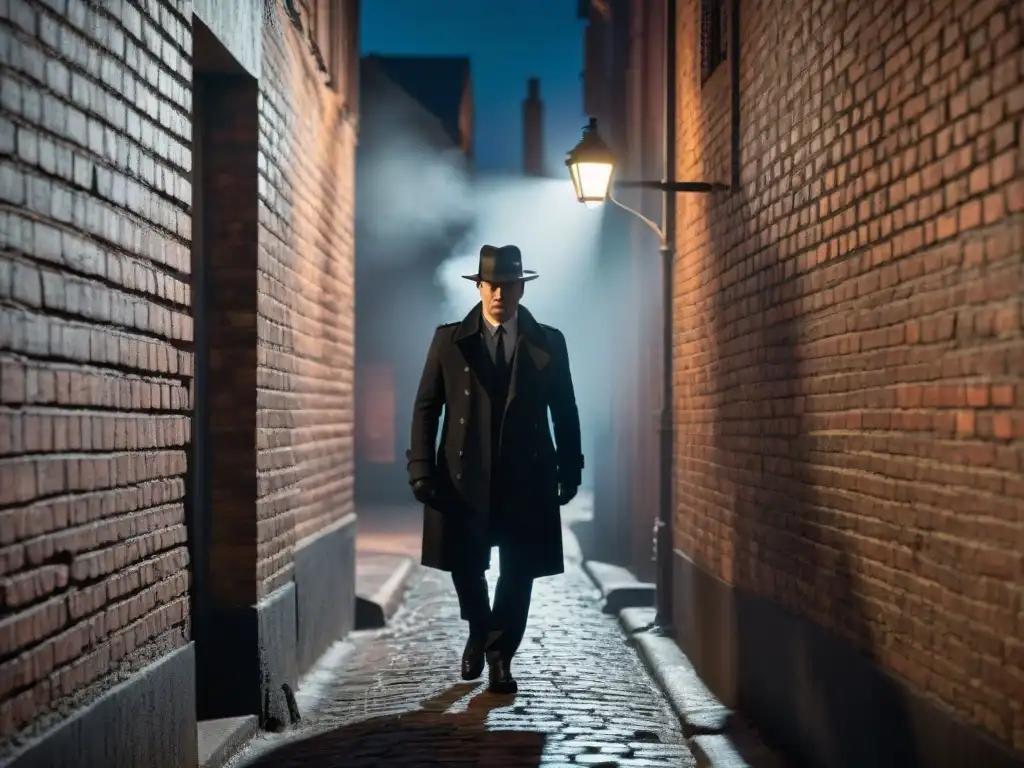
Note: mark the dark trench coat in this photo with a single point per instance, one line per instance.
(456, 534)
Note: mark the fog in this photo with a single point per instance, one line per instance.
(413, 186)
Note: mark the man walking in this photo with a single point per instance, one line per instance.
(496, 479)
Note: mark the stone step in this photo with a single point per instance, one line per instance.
(381, 579)
(222, 739)
(619, 587)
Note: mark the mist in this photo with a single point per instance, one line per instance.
(413, 183)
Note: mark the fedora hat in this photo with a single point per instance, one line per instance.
(501, 265)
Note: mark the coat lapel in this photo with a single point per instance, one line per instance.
(532, 355)
(532, 351)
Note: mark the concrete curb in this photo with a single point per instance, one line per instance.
(374, 609)
(718, 737)
(620, 588)
(741, 747)
(699, 711)
(221, 740)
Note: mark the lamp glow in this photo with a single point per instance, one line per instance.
(591, 165)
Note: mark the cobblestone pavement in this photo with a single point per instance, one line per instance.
(396, 698)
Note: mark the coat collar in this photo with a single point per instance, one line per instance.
(532, 350)
(528, 327)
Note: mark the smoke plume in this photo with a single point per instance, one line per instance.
(413, 185)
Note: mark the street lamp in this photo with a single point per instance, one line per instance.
(592, 167)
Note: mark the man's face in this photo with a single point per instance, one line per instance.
(501, 300)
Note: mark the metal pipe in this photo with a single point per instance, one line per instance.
(675, 186)
(667, 251)
(633, 212)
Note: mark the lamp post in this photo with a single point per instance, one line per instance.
(592, 167)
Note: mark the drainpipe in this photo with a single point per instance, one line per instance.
(666, 544)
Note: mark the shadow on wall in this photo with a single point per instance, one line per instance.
(808, 683)
(428, 736)
(616, 468)
(814, 695)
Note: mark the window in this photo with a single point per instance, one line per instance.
(713, 36)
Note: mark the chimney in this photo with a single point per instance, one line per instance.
(533, 130)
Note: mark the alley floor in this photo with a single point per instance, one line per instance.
(395, 698)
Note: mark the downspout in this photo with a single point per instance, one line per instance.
(665, 538)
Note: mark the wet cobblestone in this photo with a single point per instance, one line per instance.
(397, 700)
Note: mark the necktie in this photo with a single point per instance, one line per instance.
(499, 354)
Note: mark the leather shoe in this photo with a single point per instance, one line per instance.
(473, 656)
(499, 675)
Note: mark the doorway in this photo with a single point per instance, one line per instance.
(224, 232)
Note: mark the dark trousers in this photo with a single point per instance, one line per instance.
(505, 623)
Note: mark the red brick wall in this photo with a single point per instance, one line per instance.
(306, 321)
(95, 335)
(849, 333)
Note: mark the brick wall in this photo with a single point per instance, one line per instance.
(306, 313)
(849, 333)
(94, 339)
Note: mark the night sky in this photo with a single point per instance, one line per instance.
(507, 42)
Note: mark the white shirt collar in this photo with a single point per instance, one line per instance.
(511, 325)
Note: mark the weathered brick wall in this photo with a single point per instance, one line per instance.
(306, 322)
(849, 340)
(94, 339)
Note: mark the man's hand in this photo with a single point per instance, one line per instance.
(566, 493)
(425, 491)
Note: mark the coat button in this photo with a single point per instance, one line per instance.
(462, 421)
(466, 369)
(458, 476)
(467, 391)
(460, 453)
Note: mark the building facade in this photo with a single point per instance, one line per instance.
(415, 165)
(177, 352)
(623, 88)
(848, 353)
